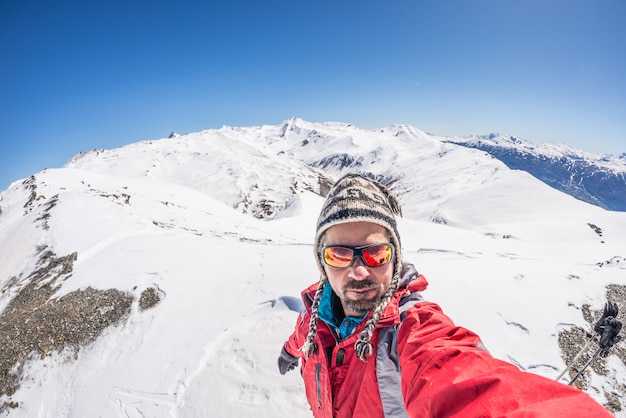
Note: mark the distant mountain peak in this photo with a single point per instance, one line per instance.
(598, 179)
(337, 147)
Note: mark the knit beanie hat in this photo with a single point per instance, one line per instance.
(355, 198)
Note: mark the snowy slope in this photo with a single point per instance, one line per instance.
(597, 179)
(219, 225)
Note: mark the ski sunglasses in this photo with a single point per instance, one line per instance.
(373, 255)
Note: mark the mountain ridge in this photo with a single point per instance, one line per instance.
(197, 241)
(594, 178)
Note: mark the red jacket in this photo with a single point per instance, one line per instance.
(437, 370)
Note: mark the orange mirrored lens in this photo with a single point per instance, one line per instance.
(338, 256)
(377, 255)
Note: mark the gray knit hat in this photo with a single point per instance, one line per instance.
(355, 198)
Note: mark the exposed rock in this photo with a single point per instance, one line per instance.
(35, 323)
(573, 340)
(149, 299)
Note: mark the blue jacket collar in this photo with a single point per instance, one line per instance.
(330, 305)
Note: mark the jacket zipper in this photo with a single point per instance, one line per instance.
(318, 378)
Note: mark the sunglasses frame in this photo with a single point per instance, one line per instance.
(358, 252)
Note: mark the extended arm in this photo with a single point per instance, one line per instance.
(446, 373)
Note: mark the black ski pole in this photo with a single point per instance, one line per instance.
(608, 328)
(585, 366)
(577, 356)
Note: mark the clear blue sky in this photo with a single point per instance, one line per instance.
(79, 75)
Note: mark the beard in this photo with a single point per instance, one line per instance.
(361, 304)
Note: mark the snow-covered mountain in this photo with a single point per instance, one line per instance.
(161, 278)
(597, 179)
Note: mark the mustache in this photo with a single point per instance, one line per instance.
(360, 284)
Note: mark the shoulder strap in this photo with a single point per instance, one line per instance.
(388, 364)
(407, 302)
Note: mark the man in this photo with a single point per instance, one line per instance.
(371, 347)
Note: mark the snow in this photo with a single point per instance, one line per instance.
(515, 261)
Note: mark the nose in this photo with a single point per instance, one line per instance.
(358, 270)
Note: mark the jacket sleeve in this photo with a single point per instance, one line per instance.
(296, 339)
(445, 373)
